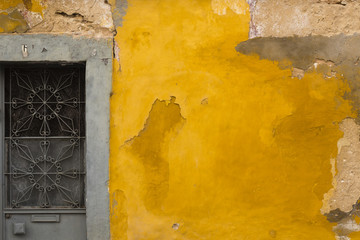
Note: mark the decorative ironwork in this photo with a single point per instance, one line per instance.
(44, 102)
(45, 166)
(44, 174)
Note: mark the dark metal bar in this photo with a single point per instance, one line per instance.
(2, 143)
(53, 210)
(49, 173)
(35, 138)
(78, 102)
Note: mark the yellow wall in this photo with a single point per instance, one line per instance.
(207, 143)
(225, 145)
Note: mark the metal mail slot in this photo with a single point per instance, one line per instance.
(45, 218)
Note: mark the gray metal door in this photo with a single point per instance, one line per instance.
(43, 141)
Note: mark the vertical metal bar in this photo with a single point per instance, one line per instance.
(45, 112)
(2, 152)
(81, 193)
(8, 158)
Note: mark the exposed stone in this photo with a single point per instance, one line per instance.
(303, 18)
(253, 31)
(341, 203)
(345, 227)
(297, 73)
(32, 18)
(81, 17)
(346, 181)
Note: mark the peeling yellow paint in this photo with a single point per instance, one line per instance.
(210, 144)
(5, 4)
(35, 5)
(13, 22)
(354, 236)
(250, 162)
(38, 6)
(16, 14)
(237, 6)
(118, 214)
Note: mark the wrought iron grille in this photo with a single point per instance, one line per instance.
(44, 136)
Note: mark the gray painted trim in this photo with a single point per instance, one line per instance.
(2, 155)
(98, 56)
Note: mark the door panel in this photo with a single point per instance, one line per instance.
(44, 144)
(45, 226)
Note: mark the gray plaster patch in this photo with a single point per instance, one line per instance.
(303, 52)
(119, 12)
(98, 88)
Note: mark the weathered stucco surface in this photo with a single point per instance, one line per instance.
(334, 57)
(246, 154)
(81, 17)
(214, 136)
(345, 195)
(273, 18)
(335, 54)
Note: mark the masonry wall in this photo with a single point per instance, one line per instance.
(229, 119)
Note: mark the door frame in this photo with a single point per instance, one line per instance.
(97, 53)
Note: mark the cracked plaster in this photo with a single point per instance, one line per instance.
(81, 17)
(333, 57)
(91, 18)
(273, 18)
(346, 180)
